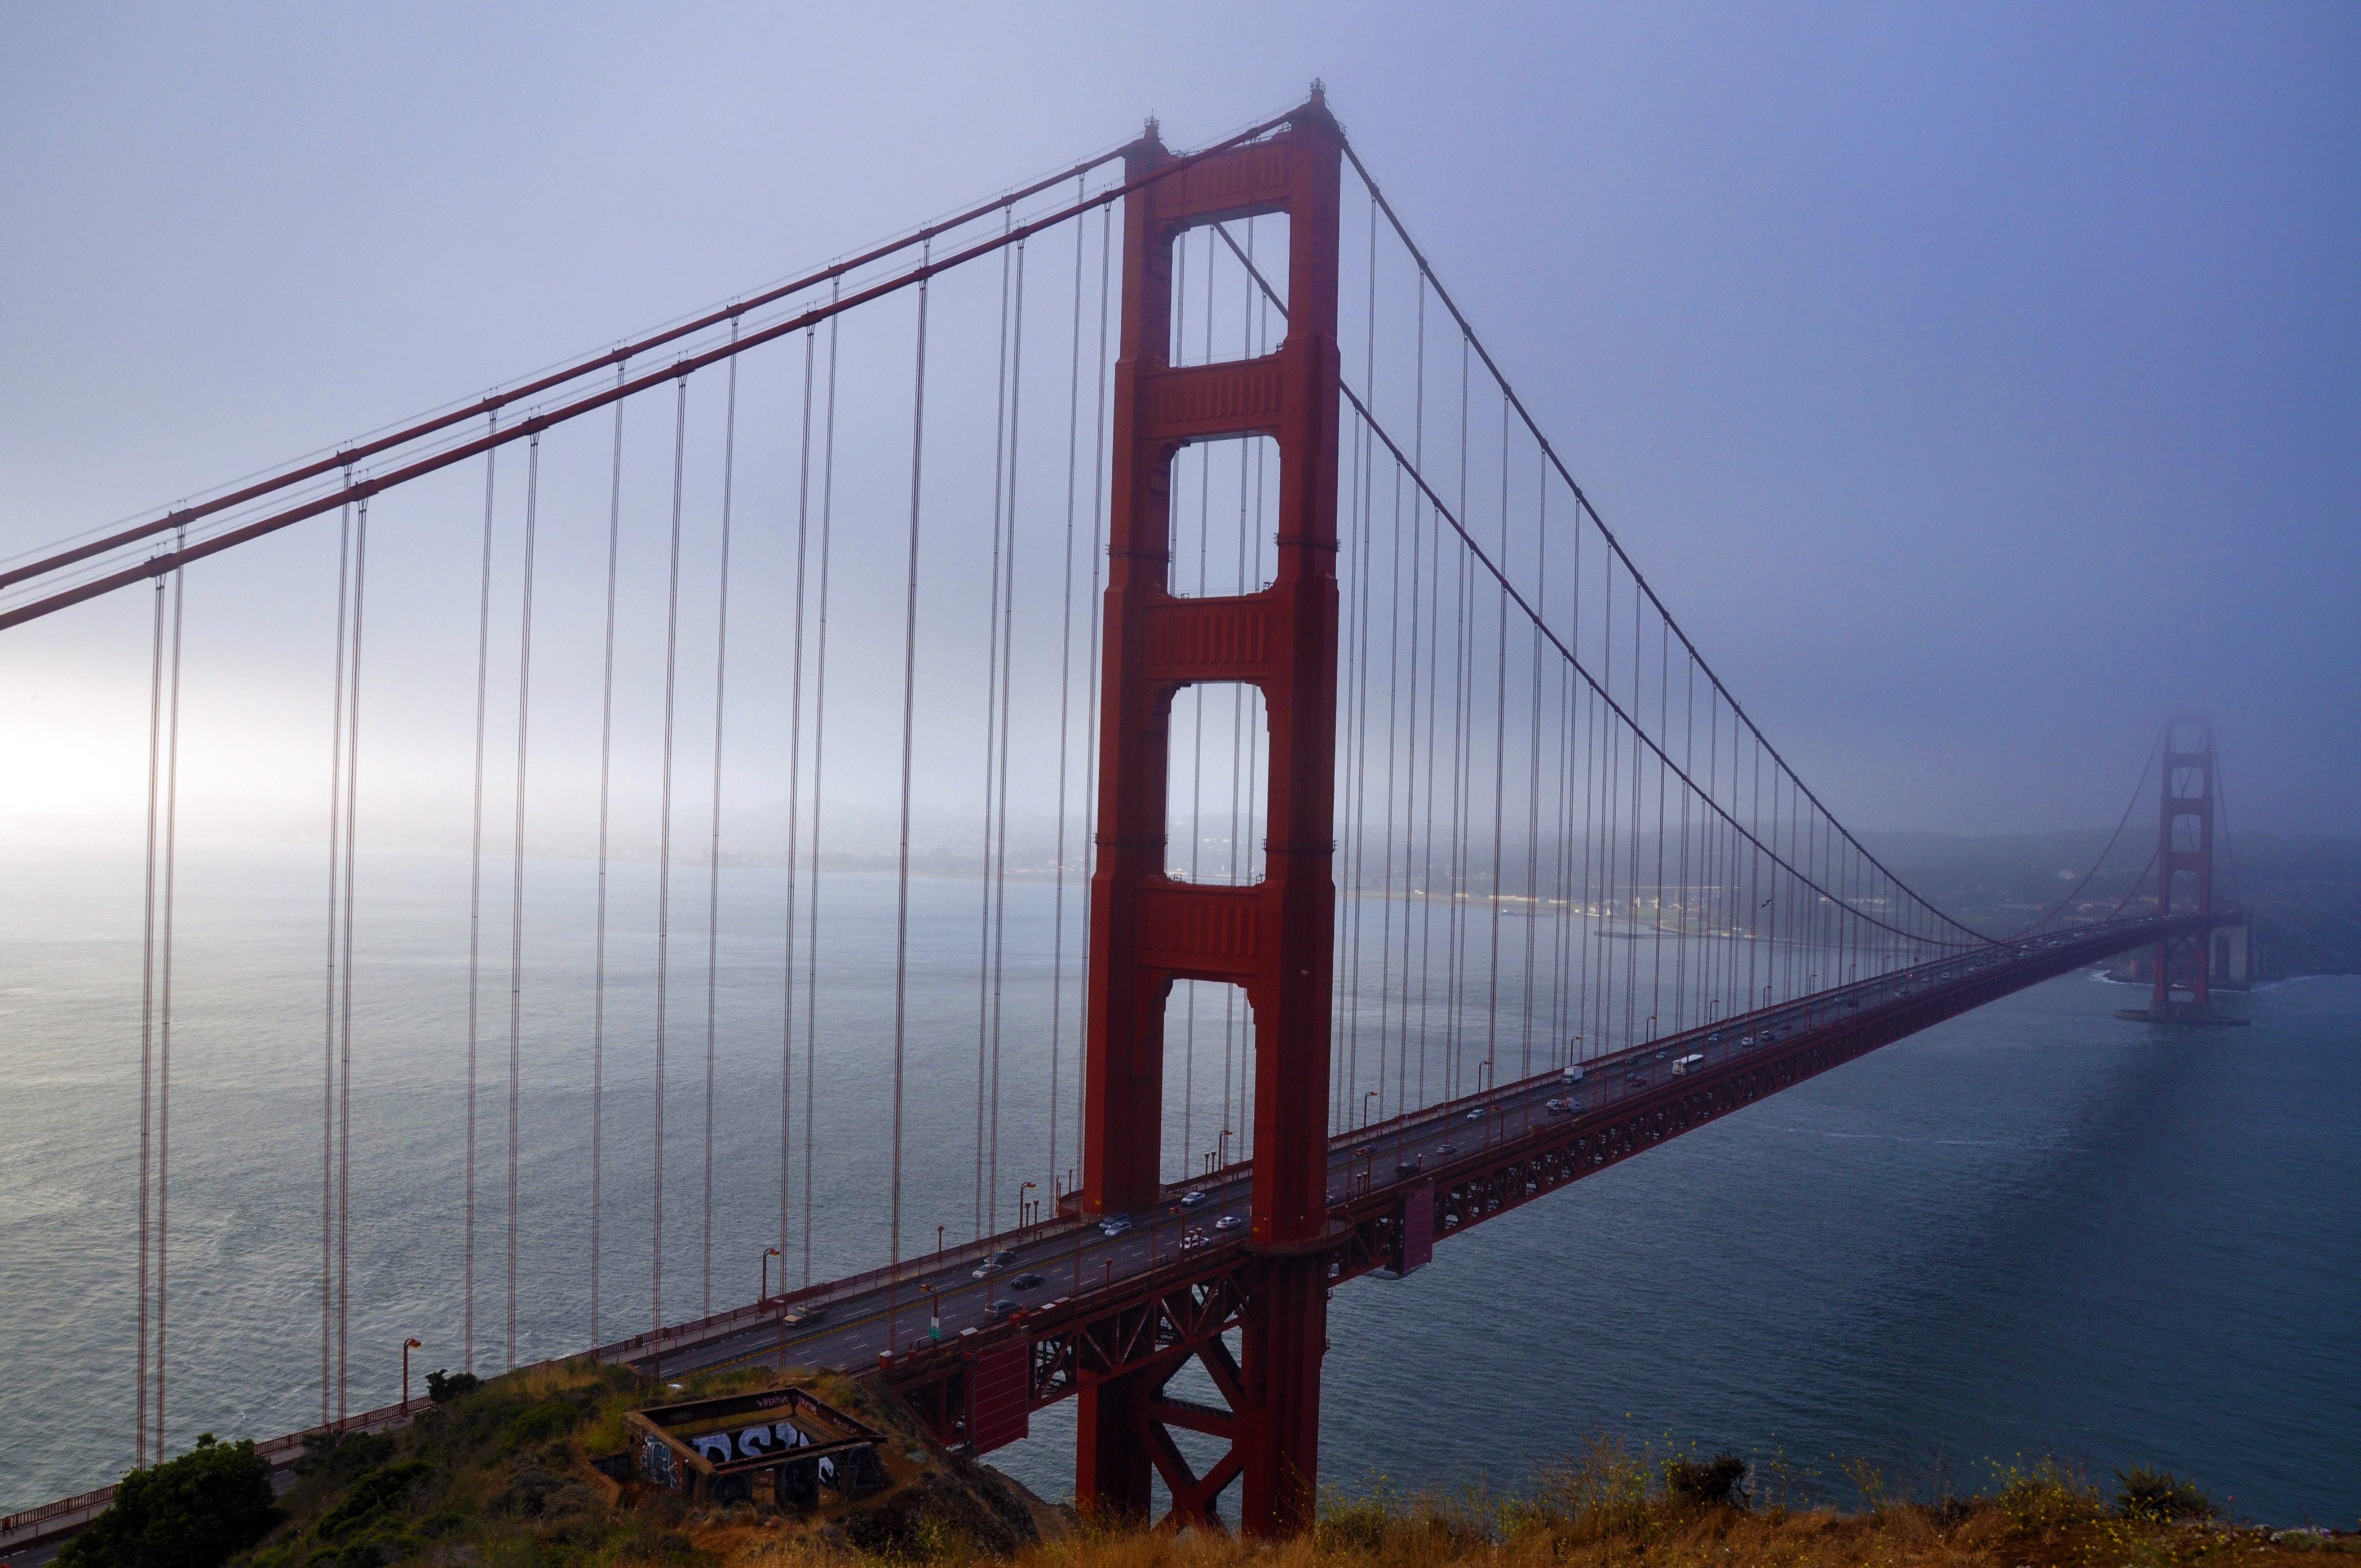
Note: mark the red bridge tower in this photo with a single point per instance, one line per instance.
(1273, 939)
(2185, 846)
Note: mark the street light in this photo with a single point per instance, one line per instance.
(1222, 1146)
(934, 1309)
(1028, 1187)
(1366, 1098)
(768, 1254)
(407, 1346)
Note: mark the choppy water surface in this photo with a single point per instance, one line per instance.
(2032, 1229)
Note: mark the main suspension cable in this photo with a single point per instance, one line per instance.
(1615, 706)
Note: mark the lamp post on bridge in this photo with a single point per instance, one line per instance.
(763, 1294)
(407, 1346)
(1028, 1187)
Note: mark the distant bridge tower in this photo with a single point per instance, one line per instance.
(1273, 939)
(2185, 847)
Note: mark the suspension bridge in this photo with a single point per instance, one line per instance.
(1164, 666)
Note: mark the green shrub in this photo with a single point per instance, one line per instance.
(1719, 1482)
(373, 1498)
(195, 1511)
(443, 1385)
(2160, 1494)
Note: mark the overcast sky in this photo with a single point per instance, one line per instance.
(1975, 382)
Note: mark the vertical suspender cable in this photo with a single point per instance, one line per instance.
(1197, 741)
(164, 1008)
(794, 805)
(1065, 696)
(1098, 552)
(910, 715)
(1533, 770)
(1664, 733)
(820, 738)
(476, 894)
(713, 848)
(606, 773)
(1007, 663)
(148, 1019)
(663, 858)
(1386, 873)
(328, 1008)
(1239, 773)
(516, 874)
(1500, 769)
(991, 732)
(345, 1001)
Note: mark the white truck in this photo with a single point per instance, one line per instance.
(1684, 1065)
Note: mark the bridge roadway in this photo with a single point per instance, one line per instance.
(937, 1302)
(1483, 1154)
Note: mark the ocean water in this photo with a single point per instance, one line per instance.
(2033, 1230)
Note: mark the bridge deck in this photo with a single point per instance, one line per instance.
(1478, 1156)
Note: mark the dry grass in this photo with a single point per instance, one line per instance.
(1608, 1507)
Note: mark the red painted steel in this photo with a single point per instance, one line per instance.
(1274, 938)
(2186, 795)
(1000, 1396)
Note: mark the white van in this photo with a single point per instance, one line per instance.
(1572, 1074)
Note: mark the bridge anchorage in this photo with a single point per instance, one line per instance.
(1517, 888)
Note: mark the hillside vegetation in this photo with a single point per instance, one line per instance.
(499, 1477)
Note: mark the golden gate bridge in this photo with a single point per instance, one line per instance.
(1384, 751)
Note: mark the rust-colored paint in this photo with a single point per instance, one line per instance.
(1276, 939)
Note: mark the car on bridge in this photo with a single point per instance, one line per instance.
(1558, 1107)
(1192, 1199)
(1410, 1166)
(1115, 1226)
(811, 1312)
(1027, 1282)
(1229, 1222)
(1003, 1306)
(1637, 1079)
(1476, 1114)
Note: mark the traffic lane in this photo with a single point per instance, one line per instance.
(1509, 1113)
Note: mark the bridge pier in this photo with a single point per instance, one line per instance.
(1274, 938)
